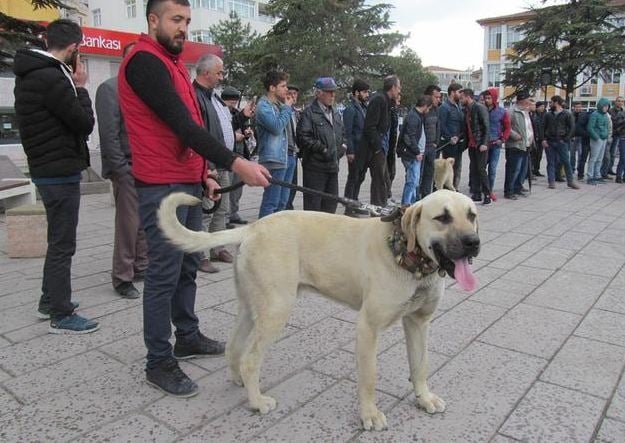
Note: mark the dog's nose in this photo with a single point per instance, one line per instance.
(471, 243)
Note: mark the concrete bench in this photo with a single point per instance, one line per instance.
(27, 229)
(15, 188)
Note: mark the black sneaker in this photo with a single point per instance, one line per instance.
(201, 346)
(169, 378)
(510, 196)
(43, 311)
(476, 197)
(487, 200)
(127, 290)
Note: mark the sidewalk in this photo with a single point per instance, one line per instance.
(537, 353)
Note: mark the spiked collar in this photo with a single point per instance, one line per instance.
(416, 261)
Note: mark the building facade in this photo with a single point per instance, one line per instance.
(468, 78)
(500, 33)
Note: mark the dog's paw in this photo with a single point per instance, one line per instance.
(263, 404)
(374, 419)
(236, 379)
(432, 403)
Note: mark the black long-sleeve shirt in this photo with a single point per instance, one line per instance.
(149, 79)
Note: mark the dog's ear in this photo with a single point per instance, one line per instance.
(451, 161)
(409, 225)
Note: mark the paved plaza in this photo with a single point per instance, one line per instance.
(536, 353)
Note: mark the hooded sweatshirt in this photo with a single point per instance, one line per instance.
(598, 124)
(54, 116)
(499, 119)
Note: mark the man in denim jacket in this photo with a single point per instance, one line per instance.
(273, 114)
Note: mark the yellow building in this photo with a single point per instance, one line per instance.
(500, 33)
(23, 10)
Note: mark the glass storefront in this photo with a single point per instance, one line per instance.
(8, 127)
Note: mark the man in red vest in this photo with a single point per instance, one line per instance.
(169, 148)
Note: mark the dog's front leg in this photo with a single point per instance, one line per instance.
(366, 345)
(416, 330)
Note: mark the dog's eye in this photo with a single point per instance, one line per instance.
(444, 218)
(471, 216)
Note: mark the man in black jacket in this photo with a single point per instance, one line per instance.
(432, 140)
(320, 137)
(477, 130)
(375, 139)
(354, 121)
(580, 146)
(538, 121)
(55, 118)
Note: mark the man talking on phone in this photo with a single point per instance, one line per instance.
(55, 118)
(170, 148)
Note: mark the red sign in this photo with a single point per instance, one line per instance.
(98, 41)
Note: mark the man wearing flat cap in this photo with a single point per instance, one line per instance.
(320, 137)
(518, 145)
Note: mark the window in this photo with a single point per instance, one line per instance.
(243, 8)
(215, 5)
(131, 8)
(611, 76)
(9, 133)
(97, 17)
(201, 36)
(494, 37)
(512, 36)
(494, 75)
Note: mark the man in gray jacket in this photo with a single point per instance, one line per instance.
(129, 248)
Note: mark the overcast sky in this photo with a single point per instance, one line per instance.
(445, 32)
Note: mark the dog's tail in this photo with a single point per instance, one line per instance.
(185, 239)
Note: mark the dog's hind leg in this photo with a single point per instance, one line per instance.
(366, 346)
(237, 341)
(269, 322)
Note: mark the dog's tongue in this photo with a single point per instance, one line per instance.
(464, 275)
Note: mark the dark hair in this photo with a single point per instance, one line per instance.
(389, 82)
(469, 92)
(429, 90)
(153, 5)
(577, 103)
(424, 100)
(360, 85)
(453, 88)
(272, 78)
(62, 33)
(557, 99)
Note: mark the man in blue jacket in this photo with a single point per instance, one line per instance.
(452, 128)
(354, 122)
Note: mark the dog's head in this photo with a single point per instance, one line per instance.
(445, 226)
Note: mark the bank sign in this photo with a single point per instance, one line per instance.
(98, 41)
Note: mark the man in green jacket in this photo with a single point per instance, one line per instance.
(598, 129)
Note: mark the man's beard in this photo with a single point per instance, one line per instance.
(173, 46)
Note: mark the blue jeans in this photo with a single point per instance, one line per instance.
(285, 193)
(597, 151)
(272, 194)
(413, 173)
(169, 288)
(494, 151)
(620, 169)
(558, 154)
(514, 164)
(62, 203)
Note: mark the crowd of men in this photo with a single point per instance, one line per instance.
(160, 133)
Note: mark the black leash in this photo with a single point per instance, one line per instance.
(347, 202)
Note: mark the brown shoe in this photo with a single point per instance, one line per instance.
(207, 266)
(572, 185)
(223, 256)
(552, 185)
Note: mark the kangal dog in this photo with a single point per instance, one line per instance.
(348, 260)
(444, 173)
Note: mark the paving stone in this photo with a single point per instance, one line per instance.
(525, 274)
(133, 429)
(603, 326)
(611, 431)
(511, 239)
(127, 350)
(512, 259)
(74, 371)
(4, 376)
(532, 330)
(569, 291)
(28, 332)
(549, 258)
(501, 439)
(69, 414)
(242, 424)
(537, 243)
(452, 297)
(540, 415)
(332, 416)
(491, 251)
(216, 396)
(613, 300)
(4, 342)
(504, 293)
(455, 329)
(574, 241)
(8, 405)
(617, 405)
(18, 317)
(18, 298)
(478, 401)
(595, 265)
(214, 294)
(586, 365)
(603, 249)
